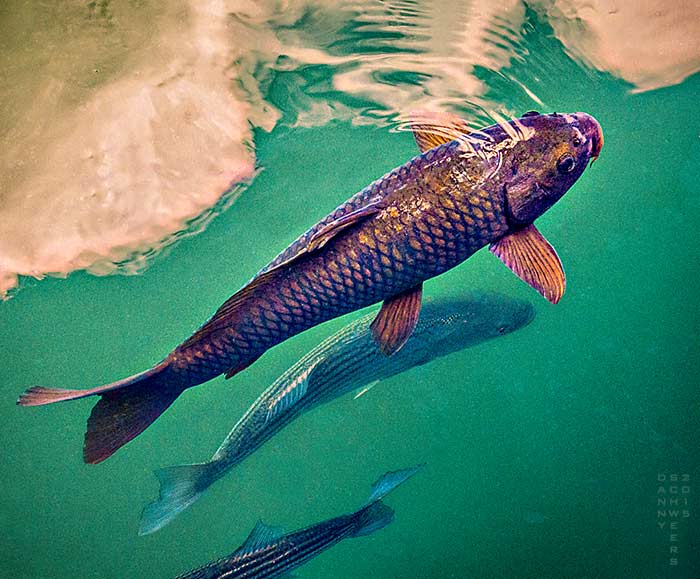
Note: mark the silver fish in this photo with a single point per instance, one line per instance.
(346, 361)
(268, 553)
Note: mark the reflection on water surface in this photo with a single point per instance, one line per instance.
(126, 126)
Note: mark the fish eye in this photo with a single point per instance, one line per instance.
(566, 163)
(502, 330)
(531, 114)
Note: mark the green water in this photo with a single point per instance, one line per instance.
(544, 448)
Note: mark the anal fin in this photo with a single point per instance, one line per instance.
(396, 320)
(530, 256)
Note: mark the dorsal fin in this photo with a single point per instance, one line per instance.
(261, 536)
(431, 129)
(324, 234)
(288, 399)
(390, 480)
(223, 317)
(225, 314)
(329, 231)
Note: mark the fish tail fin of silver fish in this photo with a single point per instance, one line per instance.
(180, 486)
(269, 552)
(375, 514)
(389, 481)
(373, 518)
(125, 409)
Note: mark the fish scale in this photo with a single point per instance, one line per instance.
(416, 222)
(350, 359)
(376, 259)
(274, 559)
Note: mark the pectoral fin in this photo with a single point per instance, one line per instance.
(366, 389)
(396, 320)
(530, 256)
(433, 129)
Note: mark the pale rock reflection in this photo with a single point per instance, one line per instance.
(102, 174)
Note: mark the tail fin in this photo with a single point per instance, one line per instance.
(375, 514)
(39, 395)
(389, 481)
(372, 518)
(126, 408)
(180, 486)
(122, 415)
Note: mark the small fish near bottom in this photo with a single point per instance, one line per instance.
(267, 552)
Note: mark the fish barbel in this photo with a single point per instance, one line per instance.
(468, 189)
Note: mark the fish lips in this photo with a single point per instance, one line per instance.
(591, 128)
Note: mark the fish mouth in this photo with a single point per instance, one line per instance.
(597, 142)
(592, 129)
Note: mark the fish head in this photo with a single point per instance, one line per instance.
(491, 314)
(541, 167)
(457, 323)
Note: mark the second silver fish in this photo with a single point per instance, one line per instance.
(346, 361)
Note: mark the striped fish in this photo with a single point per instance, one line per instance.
(468, 189)
(346, 361)
(267, 553)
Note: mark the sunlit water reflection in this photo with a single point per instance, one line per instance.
(125, 129)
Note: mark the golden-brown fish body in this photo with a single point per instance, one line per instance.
(432, 213)
(465, 191)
